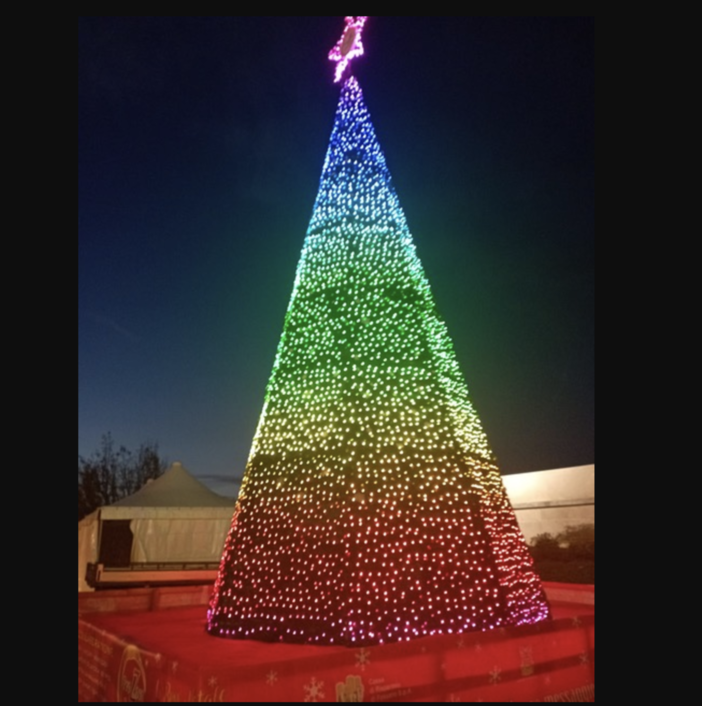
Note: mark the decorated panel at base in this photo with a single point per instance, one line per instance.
(549, 661)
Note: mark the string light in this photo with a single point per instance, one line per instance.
(349, 45)
(372, 509)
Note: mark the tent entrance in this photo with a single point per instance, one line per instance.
(116, 539)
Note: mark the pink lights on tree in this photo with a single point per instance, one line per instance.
(349, 46)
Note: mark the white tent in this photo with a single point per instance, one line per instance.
(549, 501)
(174, 518)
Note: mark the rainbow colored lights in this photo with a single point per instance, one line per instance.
(372, 509)
(349, 46)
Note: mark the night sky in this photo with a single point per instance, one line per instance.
(201, 144)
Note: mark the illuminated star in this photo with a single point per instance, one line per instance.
(349, 46)
(362, 659)
(313, 690)
(271, 678)
(495, 675)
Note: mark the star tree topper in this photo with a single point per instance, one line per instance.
(349, 46)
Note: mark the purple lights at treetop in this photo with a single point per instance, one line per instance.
(349, 46)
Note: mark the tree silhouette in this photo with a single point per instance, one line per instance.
(113, 473)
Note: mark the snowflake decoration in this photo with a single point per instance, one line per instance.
(461, 642)
(212, 681)
(313, 690)
(271, 678)
(584, 658)
(577, 622)
(349, 46)
(495, 675)
(362, 659)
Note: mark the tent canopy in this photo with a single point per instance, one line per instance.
(175, 493)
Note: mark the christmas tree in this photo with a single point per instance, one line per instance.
(372, 509)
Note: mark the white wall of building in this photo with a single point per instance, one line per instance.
(549, 501)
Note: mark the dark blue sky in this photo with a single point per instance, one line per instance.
(201, 142)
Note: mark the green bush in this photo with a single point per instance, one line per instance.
(579, 540)
(569, 557)
(545, 547)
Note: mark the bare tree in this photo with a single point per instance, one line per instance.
(113, 473)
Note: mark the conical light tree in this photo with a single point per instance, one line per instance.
(372, 509)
